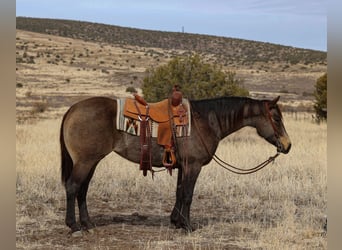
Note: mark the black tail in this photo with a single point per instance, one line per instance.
(66, 160)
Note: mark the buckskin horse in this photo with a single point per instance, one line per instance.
(88, 133)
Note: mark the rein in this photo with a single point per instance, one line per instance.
(241, 171)
(232, 168)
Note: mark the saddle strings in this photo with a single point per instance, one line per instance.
(174, 137)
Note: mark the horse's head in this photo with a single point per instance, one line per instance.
(271, 127)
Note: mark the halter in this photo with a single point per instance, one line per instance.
(275, 130)
(242, 171)
(268, 110)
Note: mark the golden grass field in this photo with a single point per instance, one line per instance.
(281, 207)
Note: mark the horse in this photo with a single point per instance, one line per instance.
(88, 133)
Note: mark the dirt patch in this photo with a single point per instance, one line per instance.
(124, 228)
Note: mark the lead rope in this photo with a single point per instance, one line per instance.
(230, 167)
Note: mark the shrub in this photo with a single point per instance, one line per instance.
(197, 80)
(321, 98)
(39, 107)
(131, 90)
(28, 93)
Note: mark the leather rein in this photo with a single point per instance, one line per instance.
(237, 170)
(242, 171)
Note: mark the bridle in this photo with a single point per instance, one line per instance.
(275, 130)
(242, 171)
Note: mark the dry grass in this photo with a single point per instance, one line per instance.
(280, 207)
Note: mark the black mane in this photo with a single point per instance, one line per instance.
(221, 105)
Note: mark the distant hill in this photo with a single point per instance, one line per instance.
(227, 51)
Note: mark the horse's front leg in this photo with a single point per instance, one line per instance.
(178, 205)
(190, 175)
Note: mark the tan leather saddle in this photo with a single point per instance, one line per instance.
(168, 113)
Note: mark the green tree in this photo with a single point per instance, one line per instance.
(197, 80)
(321, 98)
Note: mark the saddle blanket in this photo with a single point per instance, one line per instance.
(132, 126)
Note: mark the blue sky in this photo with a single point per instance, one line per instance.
(298, 23)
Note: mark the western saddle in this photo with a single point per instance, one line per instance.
(170, 114)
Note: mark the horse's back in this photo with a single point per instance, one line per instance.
(94, 103)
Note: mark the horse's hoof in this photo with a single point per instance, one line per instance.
(174, 222)
(183, 226)
(76, 234)
(86, 225)
(187, 227)
(90, 231)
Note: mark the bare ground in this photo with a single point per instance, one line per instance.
(131, 228)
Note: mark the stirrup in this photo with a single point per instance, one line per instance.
(169, 158)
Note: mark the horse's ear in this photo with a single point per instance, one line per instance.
(274, 101)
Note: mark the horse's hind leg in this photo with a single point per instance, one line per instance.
(79, 175)
(71, 189)
(82, 201)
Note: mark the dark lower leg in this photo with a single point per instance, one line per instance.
(184, 219)
(188, 184)
(178, 205)
(82, 202)
(71, 191)
(83, 210)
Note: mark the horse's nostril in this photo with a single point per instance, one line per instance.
(287, 149)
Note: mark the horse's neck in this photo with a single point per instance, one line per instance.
(243, 113)
(230, 113)
(252, 111)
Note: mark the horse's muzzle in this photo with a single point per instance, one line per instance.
(284, 145)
